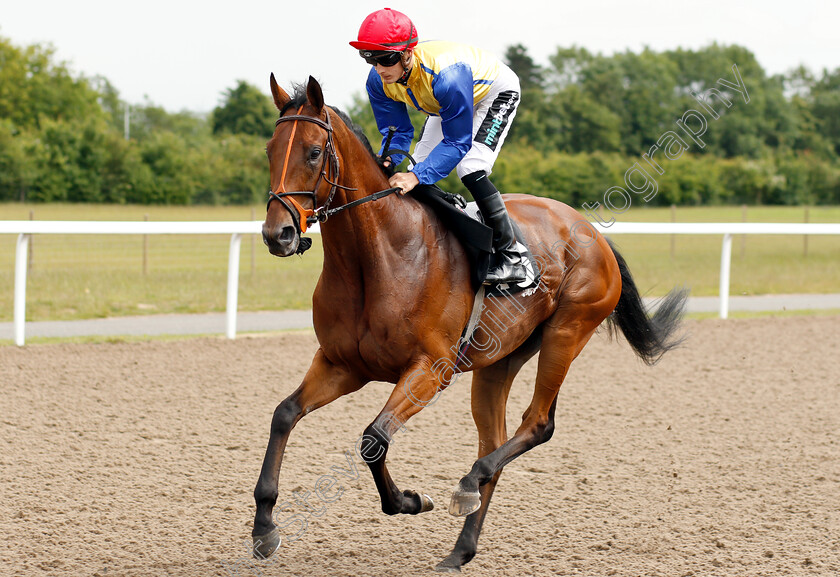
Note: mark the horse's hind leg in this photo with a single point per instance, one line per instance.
(563, 339)
(490, 389)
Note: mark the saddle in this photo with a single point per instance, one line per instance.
(466, 223)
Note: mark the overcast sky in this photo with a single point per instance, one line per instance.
(184, 55)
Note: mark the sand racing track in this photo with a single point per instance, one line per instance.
(139, 459)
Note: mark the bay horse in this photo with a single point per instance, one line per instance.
(395, 294)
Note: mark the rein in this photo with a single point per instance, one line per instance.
(368, 198)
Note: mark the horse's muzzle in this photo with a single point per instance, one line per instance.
(281, 241)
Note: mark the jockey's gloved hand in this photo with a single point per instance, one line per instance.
(387, 166)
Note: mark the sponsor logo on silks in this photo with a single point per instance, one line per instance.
(495, 122)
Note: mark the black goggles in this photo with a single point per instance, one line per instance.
(382, 57)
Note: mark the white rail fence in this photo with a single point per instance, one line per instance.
(236, 229)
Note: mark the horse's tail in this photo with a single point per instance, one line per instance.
(651, 336)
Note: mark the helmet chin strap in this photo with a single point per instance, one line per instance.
(407, 67)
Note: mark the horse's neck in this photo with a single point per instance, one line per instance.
(359, 240)
(378, 242)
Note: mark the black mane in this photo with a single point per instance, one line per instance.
(300, 98)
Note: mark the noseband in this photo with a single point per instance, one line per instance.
(303, 217)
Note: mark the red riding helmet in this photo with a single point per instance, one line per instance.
(386, 29)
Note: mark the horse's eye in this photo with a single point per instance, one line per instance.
(314, 154)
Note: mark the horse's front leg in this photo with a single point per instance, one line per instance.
(416, 389)
(323, 383)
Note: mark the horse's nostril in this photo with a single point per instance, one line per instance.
(286, 235)
(279, 240)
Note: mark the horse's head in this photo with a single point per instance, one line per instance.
(303, 164)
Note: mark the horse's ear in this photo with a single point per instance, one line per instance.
(315, 94)
(281, 99)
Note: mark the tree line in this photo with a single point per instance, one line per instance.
(583, 121)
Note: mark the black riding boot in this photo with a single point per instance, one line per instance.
(507, 266)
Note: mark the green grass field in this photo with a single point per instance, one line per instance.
(88, 276)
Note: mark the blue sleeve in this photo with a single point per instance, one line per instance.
(387, 113)
(453, 89)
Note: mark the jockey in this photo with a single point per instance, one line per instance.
(470, 98)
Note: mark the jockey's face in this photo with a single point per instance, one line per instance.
(390, 74)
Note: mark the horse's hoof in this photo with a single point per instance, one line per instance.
(443, 567)
(266, 545)
(426, 503)
(464, 502)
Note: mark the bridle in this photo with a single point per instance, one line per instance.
(303, 217)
